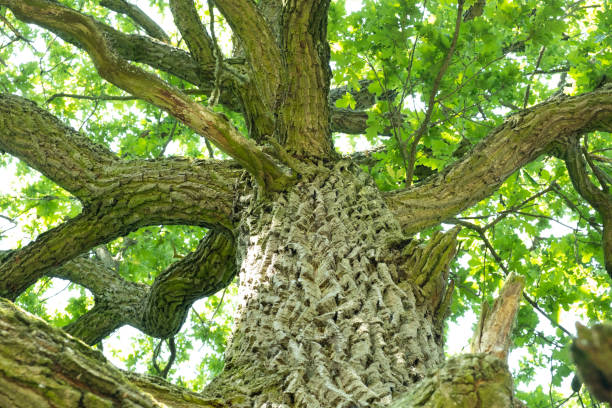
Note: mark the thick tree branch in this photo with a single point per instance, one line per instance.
(134, 194)
(119, 196)
(257, 39)
(53, 369)
(138, 16)
(190, 25)
(169, 190)
(23, 267)
(520, 139)
(159, 310)
(208, 269)
(47, 145)
(151, 88)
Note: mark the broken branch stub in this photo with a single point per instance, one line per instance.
(494, 331)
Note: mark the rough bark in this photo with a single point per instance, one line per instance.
(470, 380)
(337, 308)
(592, 353)
(43, 367)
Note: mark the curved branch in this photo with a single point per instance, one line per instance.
(23, 267)
(128, 195)
(54, 149)
(519, 140)
(138, 16)
(208, 269)
(171, 190)
(600, 199)
(159, 310)
(151, 88)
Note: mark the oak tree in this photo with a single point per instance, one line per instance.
(487, 159)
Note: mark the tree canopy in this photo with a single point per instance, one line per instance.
(416, 87)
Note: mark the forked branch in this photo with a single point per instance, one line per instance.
(151, 88)
(187, 20)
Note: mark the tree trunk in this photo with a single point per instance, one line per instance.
(338, 308)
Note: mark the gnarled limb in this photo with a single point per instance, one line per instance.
(159, 310)
(168, 191)
(163, 192)
(151, 88)
(59, 152)
(138, 16)
(117, 301)
(600, 199)
(53, 369)
(211, 267)
(520, 139)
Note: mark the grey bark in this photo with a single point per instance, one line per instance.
(338, 308)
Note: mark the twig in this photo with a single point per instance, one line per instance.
(432, 97)
(602, 177)
(603, 159)
(210, 149)
(172, 347)
(557, 190)
(95, 108)
(170, 137)
(13, 29)
(395, 131)
(526, 99)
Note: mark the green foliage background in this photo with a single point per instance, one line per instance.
(514, 55)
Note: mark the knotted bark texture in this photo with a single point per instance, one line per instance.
(334, 312)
